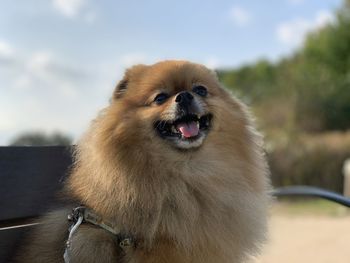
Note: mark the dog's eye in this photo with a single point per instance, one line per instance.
(200, 90)
(161, 98)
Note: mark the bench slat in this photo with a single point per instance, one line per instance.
(29, 179)
(10, 240)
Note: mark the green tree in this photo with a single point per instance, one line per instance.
(40, 139)
(326, 94)
(252, 82)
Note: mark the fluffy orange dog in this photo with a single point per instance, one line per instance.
(173, 167)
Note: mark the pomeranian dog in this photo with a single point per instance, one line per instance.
(172, 170)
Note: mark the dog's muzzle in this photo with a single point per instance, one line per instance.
(189, 126)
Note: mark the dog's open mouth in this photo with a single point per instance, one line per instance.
(187, 129)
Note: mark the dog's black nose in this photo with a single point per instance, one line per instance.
(184, 98)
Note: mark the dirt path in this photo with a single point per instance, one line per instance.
(307, 239)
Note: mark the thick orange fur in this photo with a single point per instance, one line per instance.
(207, 204)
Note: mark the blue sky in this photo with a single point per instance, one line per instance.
(60, 59)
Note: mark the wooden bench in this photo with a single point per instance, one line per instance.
(29, 179)
(31, 176)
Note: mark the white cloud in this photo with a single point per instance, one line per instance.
(212, 62)
(43, 91)
(75, 9)
(69, 8)
(323, 18)
(6, 50)
(39, 63)
(43, 70)
(240, 16)
(293, 32)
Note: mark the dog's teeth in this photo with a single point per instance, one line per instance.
(197, 124)
(173, 129)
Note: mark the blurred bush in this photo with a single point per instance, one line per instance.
(311, 160)
(41, 139)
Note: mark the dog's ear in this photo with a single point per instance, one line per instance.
(121, 87)
(130, 73)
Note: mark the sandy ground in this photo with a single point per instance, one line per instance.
(301, 239)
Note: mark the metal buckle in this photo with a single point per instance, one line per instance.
(77, 217)
(126, 242)
(76, 214)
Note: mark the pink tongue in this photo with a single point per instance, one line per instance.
(188, 129)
